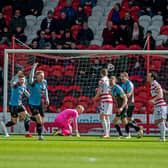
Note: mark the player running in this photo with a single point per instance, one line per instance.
(106, 102)
(160, 106)
(16, 107)
(128, 88)
(63, 121)
(121, 102)
(38, 90)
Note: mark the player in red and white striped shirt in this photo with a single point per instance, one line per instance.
(106, 102)
(160, 106)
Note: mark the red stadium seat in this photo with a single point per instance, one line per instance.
(4, 46)
(94, 47)
(53, 109)
(163, 29)
(135, 78)
(44, 68)
(142, 89)
(51, 88)
(68, 102)
(95, 103)
(84, 101)
(57, 70)
(121, 47)
(61, 88)
(134, 47)
(107, 47)
(1, 109)
(75, 90)
(69, 71)
(81, 47)
(91, 109)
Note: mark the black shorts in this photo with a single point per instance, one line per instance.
(123, 114)
(15, 110)
(37, 110)
(130, 111)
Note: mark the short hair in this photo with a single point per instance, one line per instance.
(81, 107)
(154, 74)
(114, 78)
(125, 74)
(21, 76)
(104, 72)
(39, 72)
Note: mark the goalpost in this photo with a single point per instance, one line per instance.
(73, 76)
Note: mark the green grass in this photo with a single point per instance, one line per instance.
(83, 152)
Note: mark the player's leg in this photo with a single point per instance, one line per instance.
(102, 118)
(4, 129)
(36, 113)
(108, 112)
(66, 130)
(117, 126)
(14, 115)
(26, 117)
(160, 117)
(132, 123)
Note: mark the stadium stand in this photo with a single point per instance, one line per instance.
(38, 28)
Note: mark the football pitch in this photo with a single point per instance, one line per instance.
(82, 152)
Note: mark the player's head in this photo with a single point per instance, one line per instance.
(151, 76)
(80, 109)
(124, 77)
(104, 72)
(113, 81)
(21, 78)
(40, 76)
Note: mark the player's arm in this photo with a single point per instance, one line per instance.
(124, 102)
(75, 126)
(14, 81)
(46, 96)
(26, 93)
(31, 77)
(98, 93)
(130, 90)
(159, 95)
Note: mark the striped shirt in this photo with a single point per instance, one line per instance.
(106, 96)
(155, 86)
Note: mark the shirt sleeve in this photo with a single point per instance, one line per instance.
(121, 92)
(130, 88)
(101, 83)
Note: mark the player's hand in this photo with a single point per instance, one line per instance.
(119, 110)
(36, 64)
(151, 101)
(47, 103)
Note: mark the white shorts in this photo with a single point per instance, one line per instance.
(160, 112)
(106, 108)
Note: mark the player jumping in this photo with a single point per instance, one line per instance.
(128, 88)
(38, 90)
(160, 106)
(63, 121)
(121, 102)
(16, 107)
(106, 102)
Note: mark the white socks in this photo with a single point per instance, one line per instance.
(108, 127)
(163, 128)
(4, 128)
(104, 124)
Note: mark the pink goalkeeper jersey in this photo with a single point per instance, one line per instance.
(67, 115)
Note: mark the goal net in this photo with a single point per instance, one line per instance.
(73, 76)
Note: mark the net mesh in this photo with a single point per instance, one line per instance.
(73, 78)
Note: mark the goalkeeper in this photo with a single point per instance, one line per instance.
(63, 121)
